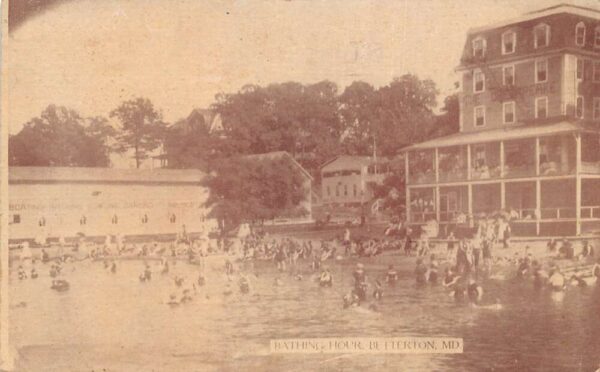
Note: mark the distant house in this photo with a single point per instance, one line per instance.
(345, 179)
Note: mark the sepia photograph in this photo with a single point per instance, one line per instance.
(300, 185)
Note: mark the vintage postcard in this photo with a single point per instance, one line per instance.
(301, 185)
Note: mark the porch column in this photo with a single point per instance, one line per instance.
(501, 158)
(470, 204)
(538, 205)
(537, 156)
(406, 189)
(436, 164)
(437, 203)
(578, 183)
(469, 162)
(502, 196)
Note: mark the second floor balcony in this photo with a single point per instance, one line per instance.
(545, 155)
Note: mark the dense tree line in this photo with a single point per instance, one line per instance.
(312, 122)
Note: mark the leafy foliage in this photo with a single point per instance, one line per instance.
(61, 137)
(142, 128)
(251, 189)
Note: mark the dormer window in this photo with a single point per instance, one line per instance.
(478, 81)
(541, 35)
(597, 37)
(509, 42)
(479, 47)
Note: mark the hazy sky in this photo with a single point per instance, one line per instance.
(90, 55)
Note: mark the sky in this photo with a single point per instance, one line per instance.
(90, 55)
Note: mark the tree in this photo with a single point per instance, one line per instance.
(448, 121)
(250, 189)
(142, 128)
(299, 119)
(61, 137)
(357, 110)
(389, 118)
(188, 144)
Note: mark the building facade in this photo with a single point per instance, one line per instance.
(345, 179)
(529, 142)
(50, 202)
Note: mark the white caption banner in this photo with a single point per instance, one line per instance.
(389, 345)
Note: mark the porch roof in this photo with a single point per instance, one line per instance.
(499, 134)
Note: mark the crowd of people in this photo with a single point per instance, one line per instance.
(459, 267)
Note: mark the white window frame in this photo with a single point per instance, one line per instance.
(596, 72)
(483, 47)
(580, 62)
(577, 107)
(537, 61)
(537, 106)
(535, 41)
(475, 72)
(475, 116)
(579, 26)
(596, 110)
(514, 42)
(514, 112)
(597, 37)
(504, 74)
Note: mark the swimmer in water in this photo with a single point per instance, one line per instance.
(378, 291)
(421, 272)
(22, 274)
(392, 276)
(433, 270)
(186, 297)
(450, 278)
(325, 280)
(201, 280)
(557, 280)
(244, 284)
(474, 291)
(351, 299)
(360, 282)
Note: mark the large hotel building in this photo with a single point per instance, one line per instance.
(529, 140)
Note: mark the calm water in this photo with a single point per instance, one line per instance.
(115, 322)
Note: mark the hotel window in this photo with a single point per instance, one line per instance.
(479, 114)
(541, 36)
(596, 108)
(345, 190)
(83, 220)
(479, 47)
(508, 110)
(114, 220)
(541, 107)
(328, 191)
(478, 81)
(354, 189)
(509, 41)
(580, 68)
(16, 218)
(580, 34)
(508, 75)
(337, 190)
(173, 218)
(541, 70)
(596, 72)
(42, 222)
(579, 108)
(597, 37)
(145, 218)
